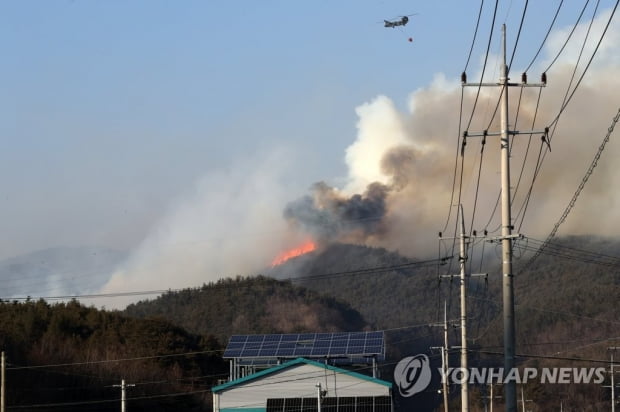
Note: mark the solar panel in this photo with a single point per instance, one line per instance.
(351, 345)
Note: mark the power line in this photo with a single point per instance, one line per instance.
(572, 202)
(546, 36)
(194, 353)
(473, 41)
(585, 70)
(361, 271)
(486, 57)
(569, 35)
(134, 398)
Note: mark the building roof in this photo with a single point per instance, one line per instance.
(295, 362)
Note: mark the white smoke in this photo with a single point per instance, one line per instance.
(230, 225)
(418, 147)
(233, 223)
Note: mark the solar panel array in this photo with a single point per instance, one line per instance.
(308, 345)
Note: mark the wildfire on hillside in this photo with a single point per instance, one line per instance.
(306, 247)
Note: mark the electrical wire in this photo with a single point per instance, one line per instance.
(484, 67)
(546, 36)
(525, 156)
(362, 271)
(473, 213)
(456, 161)
(544, 149)
(514, 49)
(473, 41)
(569, 36)
(585, 70)
(572, 202)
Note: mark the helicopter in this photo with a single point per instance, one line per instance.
(395, 23)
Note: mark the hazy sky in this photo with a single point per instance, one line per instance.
(115, 111)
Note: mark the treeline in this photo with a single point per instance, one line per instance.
(251, 305)
(67, 356)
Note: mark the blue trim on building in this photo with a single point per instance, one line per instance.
(294, 362)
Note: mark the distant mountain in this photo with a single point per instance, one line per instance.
(58, 271)
(250, 305)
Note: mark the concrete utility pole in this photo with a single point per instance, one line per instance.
(464, 244)
(508, 290)
(523, 400)
(611, 371)
(444, 356)
(463, 260)
(123, 387)
(3, 366)
(318, 396)
(507, 237)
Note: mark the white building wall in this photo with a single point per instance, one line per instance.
(298, 381)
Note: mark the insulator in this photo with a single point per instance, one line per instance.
(463, 78)
(543, 78)
(486, 232)
(440, 234)
(475, 233)
(524, 78)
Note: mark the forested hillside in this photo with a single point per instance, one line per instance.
(567, 308)
(250, 305)
(566, 304)
(69, 356)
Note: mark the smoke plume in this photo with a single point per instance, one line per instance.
(414, 158)
(406, 175)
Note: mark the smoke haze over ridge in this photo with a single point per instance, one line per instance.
(400, 174)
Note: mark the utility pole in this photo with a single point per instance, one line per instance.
(464, 244)
(123, 387)
(507, 284)
(523, 400)
(318, 396)
(462, 261)
(611, 371)
(506, 235)
(444, 356)
(490, 398)
(2, 393)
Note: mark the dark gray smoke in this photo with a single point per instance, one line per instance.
(329, 215)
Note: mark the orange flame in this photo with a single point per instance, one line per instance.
(307, 247)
